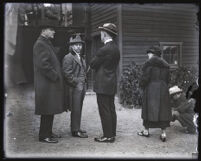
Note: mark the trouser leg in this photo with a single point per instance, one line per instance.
(114, 116)
(46, 124)
(76, 110)
(104, 105)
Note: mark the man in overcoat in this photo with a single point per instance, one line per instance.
(74, 71)
(105, 64)
(48, 83)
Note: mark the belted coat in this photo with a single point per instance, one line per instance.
(154, 81)
(48, 80)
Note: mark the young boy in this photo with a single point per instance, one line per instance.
(183, 110)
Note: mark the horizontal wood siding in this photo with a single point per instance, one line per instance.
(102, 13)
(149, 24)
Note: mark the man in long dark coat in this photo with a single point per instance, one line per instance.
(48, 82)
(105, 64)
(74, 70)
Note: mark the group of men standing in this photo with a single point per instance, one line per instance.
(51, 77)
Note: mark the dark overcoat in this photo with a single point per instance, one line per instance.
(156, 105)
(105, 64)
(71, 67)
(48, 80)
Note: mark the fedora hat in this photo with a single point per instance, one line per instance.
(154, 50)
(75, 38)
(109, 27)
(174, 90)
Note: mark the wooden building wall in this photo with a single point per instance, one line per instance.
(100, 13)
(149, 24)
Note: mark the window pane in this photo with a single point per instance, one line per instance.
(171, 54)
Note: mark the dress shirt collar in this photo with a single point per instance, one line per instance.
(108, 40)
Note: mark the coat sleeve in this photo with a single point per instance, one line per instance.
(145, 77)
(67, 67)
(98, 59)
(43, 62)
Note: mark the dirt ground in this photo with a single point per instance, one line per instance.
(21, 128)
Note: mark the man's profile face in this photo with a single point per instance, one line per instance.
(150, 55)
(77, 47)
(49, 33)
(102, 36)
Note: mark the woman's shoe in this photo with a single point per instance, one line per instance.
(142, 133)
(163, 137)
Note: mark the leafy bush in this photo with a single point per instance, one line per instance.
(183, 77)
(130, 92)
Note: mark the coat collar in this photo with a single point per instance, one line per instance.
(77, 59)
(44, 39)
(157, 61)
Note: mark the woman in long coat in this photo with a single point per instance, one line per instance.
(156, 111)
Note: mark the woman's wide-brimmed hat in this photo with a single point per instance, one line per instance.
(75, 38)
(110, 28)
(155, 50)
(174, 90)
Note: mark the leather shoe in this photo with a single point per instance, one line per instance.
(82, 131)
(55, 136)
(48, 140)
(79, 134)
(105, 139)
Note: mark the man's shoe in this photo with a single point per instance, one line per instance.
(48, 140)
(82, 131)
(105, 139)
(55, 136)
(79, 134)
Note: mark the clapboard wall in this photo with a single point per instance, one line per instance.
(148, 24)
(102, 13)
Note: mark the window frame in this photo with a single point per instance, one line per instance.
(173, 66)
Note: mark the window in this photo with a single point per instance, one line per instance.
(171, 52)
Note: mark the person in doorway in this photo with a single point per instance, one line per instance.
(183, 110)
(74, 71)
(105, 64)
(48, 83)
(156, 110)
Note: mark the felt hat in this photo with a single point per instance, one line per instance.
(110, 28)
(75, 38)
(154, 50)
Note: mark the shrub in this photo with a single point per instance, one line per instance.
(183, 77)
(130, 92)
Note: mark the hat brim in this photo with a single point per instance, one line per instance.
(107, 30)
(176, 93)
(47, 27)
(71, 43)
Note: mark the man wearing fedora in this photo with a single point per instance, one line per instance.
(105, 64)
(48, 83)
(74, 70)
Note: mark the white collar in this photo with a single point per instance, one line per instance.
(108, 40)
(78, 55)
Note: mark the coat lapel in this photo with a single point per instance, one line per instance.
(76, 59)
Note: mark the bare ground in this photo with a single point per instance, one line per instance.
(21, 128)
